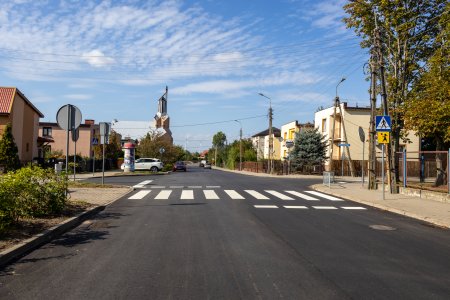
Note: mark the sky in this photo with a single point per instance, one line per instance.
(113, 60)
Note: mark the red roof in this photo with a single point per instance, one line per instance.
(6, 99)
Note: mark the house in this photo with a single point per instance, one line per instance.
(354, 118)
(288, 135)
(88, 135)
(16, 109)
(260, 143)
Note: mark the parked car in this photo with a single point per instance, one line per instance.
(179, 166)
(207, 165)
(202, 163)
(152, 164)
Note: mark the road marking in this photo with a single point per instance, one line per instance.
(163, 195)
(295, 207)
(265, 206)
(213, 186)
(354, 207)
(195, 187)
(142, 184)
(279, 195)
(158, 187)
(303, 196)
(325, 207)
(140, 195)
(257, 195)
(210, 194)
(233, 194)
(176, 186)
(187, 195)
(324, 196)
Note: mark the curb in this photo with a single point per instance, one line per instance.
(384, 207)
(14, 253)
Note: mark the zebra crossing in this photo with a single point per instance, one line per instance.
(216, 193)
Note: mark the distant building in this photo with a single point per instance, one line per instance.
(288, 132)
(162, 119)
(88, 135)
(353, 117)
(16, 109)
(260, 143)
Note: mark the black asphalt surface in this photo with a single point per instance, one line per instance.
(229, 249)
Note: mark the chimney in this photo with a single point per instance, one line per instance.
(89, 122)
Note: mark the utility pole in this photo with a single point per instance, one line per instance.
(373, 106)
(270, 165)
(240, 145)
(337, 104)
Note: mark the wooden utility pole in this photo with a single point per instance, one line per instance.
(373, 107)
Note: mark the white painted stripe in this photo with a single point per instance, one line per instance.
(324, 207)
(233, 194)
(303, 196)
(210, 194)
(265, 206)
(295, 207)
(213, 186)
(140, 195)
(163, 195)
(158, 187)
(176, 186)
(353, 207)
(138, 186)
(324, 196)
(279, 195)
(195, 187)
(257, 195)
(187, 195)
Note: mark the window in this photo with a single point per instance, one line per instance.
(47, 131)
(285, 135)
(291, 133)
(324, 125)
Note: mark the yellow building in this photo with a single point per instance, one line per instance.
(288, 132)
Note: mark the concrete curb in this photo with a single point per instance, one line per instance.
(14, 253)
(402, 212)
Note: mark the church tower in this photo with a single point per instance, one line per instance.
(162, 119)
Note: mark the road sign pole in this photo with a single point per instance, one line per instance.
(74, 161)
(103, 163)
(362, 164)
(382, 168)
(93, 161)
(69, 108)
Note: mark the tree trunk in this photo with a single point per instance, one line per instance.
(440, 168)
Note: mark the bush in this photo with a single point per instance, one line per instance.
(31, 192)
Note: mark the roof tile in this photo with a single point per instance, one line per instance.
(6, 98)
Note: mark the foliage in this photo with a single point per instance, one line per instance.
(219, 140)
(31, 192)
(113, 149)
(428, 111)
(55, 154)
(233, 153)
(150, 146)
(309, 149)
(407, 32)
(9, 154)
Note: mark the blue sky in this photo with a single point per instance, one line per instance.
(113, 59)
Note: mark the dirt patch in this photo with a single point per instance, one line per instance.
(27, 228)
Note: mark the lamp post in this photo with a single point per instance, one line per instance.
(270, 166)
(240, 145)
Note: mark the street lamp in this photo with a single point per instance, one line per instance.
(270, 166)
(342, 80)
(240, 145)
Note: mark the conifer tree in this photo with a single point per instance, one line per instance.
(9, 154)
(309, 149)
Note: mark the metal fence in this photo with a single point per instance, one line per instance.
(279, 168)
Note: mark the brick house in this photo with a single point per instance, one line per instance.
(16, 109)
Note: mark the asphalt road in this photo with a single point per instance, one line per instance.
(192, 236)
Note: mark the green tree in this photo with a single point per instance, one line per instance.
(112, 150)
(219, 150)
(408, 29)
(9, 154)
(150, 146)
(309, 149)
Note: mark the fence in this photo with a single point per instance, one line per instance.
(279, 168)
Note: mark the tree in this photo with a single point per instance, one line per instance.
(407, 30)
(428, 111)
(9, 154)
(150, 146)
(309, 149)
(112, 150)
(219, 149)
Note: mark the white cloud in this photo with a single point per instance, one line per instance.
(78, 96)
(97, 58)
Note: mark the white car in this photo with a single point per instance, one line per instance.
(152, 164)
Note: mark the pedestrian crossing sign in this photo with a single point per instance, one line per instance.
(383, 123)
(383, 137)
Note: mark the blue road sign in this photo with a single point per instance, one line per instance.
(94, 141)
(344, 145)
(383, 123)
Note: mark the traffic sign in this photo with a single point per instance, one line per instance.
(68, 117)
(344, 145)
(383, 137)
(94, 141)
(383, 123)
